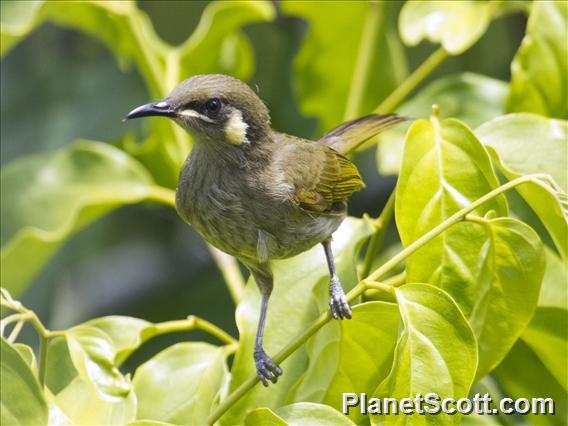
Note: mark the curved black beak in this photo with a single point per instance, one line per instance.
(162, 108)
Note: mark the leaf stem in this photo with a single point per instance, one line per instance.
(231, 272)
(382, 224)
(195, 323)
(162, 195)
(362, 70)
(363, 285)
(401, 92)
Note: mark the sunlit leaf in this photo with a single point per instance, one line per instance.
(437, 352)
(456, 25)
(338, 351)
(81, 404)
(299, 414)
(292, 307)
(334, 35)
(181, 384)
(522, 144)
(539, 71)
(503, 296)
(75, 397)
(485, 98)
(22, 401)
(27, 355)
(445, 168)
(126, 334)
(93, 356)
(48, 198)
(217, 45)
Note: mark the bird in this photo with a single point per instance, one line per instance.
(259, 194)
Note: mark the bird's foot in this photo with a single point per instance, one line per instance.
(266, 369)
(337, 301)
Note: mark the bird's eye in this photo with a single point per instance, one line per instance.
(213, 106)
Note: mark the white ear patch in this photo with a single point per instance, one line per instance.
(236, 128)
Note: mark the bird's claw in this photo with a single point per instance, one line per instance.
(338, 302)
(266, 369)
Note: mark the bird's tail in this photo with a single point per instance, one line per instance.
(347, 137)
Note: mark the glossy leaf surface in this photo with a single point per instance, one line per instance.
(299, 414)
(527, 143)
(436, 352)
(22, 400)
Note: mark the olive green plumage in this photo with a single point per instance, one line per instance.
(258, 194)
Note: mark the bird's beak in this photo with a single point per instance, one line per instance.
(162, 108)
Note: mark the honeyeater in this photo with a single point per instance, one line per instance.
(259, 194)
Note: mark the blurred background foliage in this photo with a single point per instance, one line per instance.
(59, 85)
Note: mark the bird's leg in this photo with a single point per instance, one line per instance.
(265, 367)
(337, 301)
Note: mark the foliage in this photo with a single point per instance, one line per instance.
(482, 294)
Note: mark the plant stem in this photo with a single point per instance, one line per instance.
(401, 92)
(195, 323)
(364, 59)
(231, 272)
(227, 264)
(364, 284)
(42, 370)
(383, 222)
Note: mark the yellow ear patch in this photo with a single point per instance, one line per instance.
(236, 128)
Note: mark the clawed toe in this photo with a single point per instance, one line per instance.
(339, 307)
(337, 301)
(266, 369)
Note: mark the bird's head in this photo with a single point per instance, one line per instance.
(213, 108)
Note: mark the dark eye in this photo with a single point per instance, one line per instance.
(213, 106)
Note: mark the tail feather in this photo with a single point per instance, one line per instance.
(350, 135)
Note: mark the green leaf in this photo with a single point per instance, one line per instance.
(82, 405)
(126, 334)
(522, 144)
(554, 292)
(22, 401)
(503, 296)
(299, 414)
(436, 352)
(456, 25)
(522, 375)
(196, 374)
(93, 356)
(264, 417)
(335, 33)
(444, 169)
(17, 18)
(539, 71)
(76, 398)
(485, 97)
(27, 355)
(338, 351)
(218, 45)
(547, 337)
(48, 198)
(291, 309)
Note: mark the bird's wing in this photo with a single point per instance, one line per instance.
(318, 177)
(347, 137)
